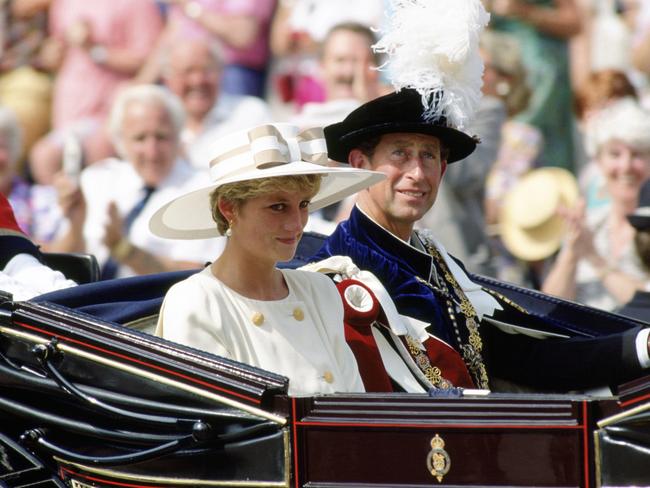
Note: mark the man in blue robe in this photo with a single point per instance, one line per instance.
(495, 337)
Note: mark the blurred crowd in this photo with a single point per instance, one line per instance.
(108, 109)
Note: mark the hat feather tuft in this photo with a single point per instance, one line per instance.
(432, 47)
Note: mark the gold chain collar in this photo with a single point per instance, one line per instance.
(471, 351)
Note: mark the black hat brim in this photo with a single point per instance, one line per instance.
(393, 113)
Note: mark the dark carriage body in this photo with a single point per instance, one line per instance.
(87, 399)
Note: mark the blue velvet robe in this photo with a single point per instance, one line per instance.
(552, 364)
(396, 264)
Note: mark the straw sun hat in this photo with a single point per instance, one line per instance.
(264, 151)
(530, 226)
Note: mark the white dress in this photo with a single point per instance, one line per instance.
(300, 336)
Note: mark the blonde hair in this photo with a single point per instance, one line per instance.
(505, 57)
(240, 191)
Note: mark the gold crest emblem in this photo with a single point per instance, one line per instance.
(438, 461)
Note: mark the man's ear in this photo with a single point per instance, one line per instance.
(357, 159)
(443, 167)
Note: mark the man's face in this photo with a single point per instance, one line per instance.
(413, 167)
(194, 75)
(149, 141)
(346, 55)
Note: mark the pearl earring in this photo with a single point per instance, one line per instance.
(229, 230)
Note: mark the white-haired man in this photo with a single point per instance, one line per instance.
(122, 194)
(192, 69)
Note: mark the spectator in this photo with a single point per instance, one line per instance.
(348, 70)
(597, 264)
(542, 29)
(605, 41)
(240, 27)
(530, 228)
(637, 14)
(34, 207)
(25, 86)
(192, 71)
(517, 157)
(600, 89)
(298, 31)
(121, 194)
(99, 46)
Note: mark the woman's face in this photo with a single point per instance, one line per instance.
(625, 170)
(269, 227)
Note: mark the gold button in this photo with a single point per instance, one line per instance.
(298, 314)
(257, 318)
(328, 377)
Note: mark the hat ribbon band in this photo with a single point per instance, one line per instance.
(268, 148)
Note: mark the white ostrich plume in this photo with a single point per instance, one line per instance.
(432, 47)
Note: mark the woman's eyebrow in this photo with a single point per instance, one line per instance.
(277, 199)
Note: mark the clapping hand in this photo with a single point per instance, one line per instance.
(579, 239)
(70, 199)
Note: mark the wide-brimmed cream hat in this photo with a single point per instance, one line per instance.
(530, 226)
(264, 151)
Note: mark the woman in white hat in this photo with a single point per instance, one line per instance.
(265, 181)
(597, 264)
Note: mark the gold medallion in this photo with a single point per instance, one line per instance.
(438, 460)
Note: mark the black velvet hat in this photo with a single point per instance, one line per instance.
(640, 218)
(400, 111)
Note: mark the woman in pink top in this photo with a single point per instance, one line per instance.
(98, 45)
(241, 27)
